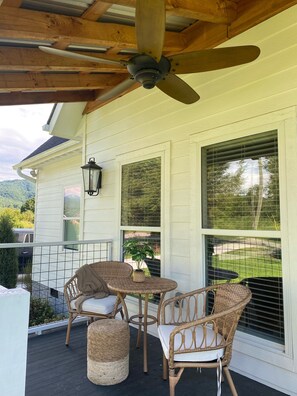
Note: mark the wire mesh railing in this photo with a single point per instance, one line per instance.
(44, 268)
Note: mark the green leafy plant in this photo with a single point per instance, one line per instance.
(41, 312)
(138, 250)
(8, 256)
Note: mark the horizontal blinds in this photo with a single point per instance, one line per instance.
(256, 263)
(141, 193)
(240, 191)
(244, 148)
(241, 185)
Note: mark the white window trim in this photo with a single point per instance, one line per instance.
(284, 121)
(163, 151)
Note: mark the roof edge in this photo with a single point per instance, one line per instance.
(65, 119)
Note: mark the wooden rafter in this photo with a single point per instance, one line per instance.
(93, 13)
(21, 98)
(251, 13)
(57, 82)
(31, 25)
(96, 10)
(216, 11)
(28, 75)
(32, 59)
(11, 3)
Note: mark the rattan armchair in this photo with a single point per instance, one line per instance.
(106, 307)
(197, 329)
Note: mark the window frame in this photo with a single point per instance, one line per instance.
(66, 218)
(162, 151)
(284, 122)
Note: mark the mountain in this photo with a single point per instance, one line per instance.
(14, 193)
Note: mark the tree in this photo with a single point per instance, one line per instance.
(141, 193)
(18, 219)
(8, 256)
(273, 200)
(224, 194)
(28, 205)
(257, 206)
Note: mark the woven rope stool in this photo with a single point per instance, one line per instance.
(108, 351)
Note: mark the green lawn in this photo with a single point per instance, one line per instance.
(247, 264)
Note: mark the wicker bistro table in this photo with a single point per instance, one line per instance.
(151, 285)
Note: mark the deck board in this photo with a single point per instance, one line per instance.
(56, 370)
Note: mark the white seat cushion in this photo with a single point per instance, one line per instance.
(204, 356)
(98, 305)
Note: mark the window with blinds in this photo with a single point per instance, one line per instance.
(241, 185)
(240, 192)
(141, 193)
(141, 209)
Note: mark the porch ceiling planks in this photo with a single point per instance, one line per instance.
(104, 29)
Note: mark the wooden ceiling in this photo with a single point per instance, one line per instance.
(104, 29)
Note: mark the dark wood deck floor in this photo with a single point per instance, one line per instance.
(55, 370)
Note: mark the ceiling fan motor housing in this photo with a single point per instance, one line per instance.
(147, 71)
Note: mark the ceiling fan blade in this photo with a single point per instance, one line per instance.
(178, 89)
(213, 59)
(150, 21)
(117, 90)
(74, 55)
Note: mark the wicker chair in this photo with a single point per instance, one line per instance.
(106, 307)
(197, 329)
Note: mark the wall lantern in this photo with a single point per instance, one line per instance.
(92, 177)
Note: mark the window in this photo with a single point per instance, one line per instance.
(141, 193)
(240, 204)
(71, 215)
(241, 184)
(141, 205)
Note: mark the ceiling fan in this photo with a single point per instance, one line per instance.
(150, 68)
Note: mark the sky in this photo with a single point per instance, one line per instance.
(20, 134)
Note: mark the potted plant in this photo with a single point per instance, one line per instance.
(138, 250)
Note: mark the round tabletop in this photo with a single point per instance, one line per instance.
(151, 284)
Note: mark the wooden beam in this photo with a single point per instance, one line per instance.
(93, 13)
(33, 59)
(23, 98)
(215, 11)
(205, 35)
(96, 104)
(11, 3)
(125, 3)
(251, 13)
(31, 25)
(96, 10)
(55, 82)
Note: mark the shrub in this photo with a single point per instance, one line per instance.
(8, 257)
(18, 219)
(40, 312)
(29, 205)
